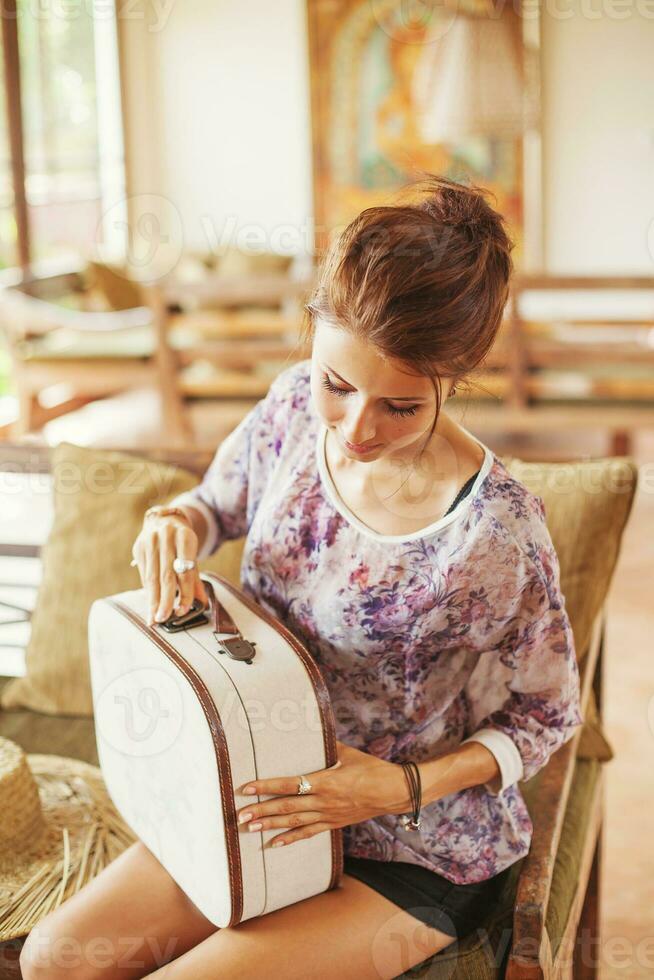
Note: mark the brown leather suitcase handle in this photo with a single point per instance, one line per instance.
(237, 646)
(221, 621)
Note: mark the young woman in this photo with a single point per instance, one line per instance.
(421, 577)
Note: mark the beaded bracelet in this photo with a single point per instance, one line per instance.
(415, 787)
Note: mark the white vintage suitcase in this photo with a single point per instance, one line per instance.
(181, 727)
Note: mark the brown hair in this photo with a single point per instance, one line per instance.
(425, 282)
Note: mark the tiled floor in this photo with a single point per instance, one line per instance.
(628, 880)
(627, 945)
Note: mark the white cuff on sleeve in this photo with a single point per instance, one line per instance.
(508, 758)
(211, 540)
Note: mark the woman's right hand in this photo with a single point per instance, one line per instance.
(160, 541)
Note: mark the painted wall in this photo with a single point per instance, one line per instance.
(217, 116)
(598, 137)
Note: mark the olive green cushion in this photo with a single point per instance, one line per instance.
(99, 499)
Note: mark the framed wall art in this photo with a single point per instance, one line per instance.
(388, 77)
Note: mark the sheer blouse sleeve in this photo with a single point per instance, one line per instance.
(232, 486)
(524, 693)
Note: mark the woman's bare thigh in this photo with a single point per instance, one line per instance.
(351, 932)
(132, 916)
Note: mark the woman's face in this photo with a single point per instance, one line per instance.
(367, 401)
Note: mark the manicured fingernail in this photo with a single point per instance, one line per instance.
(244, 817)
(279, 843)
(249, 790)
(255, 826)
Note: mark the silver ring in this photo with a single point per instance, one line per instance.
(304, 786)
(181, 565)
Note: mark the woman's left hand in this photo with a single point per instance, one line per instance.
(359, 786)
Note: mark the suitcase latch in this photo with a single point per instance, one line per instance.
(237, 647)
(195, 616)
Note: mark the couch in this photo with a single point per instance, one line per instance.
(546, 922)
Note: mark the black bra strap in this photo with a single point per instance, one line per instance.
(467, 486)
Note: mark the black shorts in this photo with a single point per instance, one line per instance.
(428, 896)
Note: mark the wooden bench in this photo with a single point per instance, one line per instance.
(570, 371)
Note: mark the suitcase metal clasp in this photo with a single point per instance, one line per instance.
(195, 616)
(237, 647)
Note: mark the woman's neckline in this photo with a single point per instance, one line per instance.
(351, 518)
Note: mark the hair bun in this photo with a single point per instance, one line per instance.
(429, 296)
(452, 211)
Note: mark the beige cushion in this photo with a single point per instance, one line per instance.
(121, 292)
(237, 262)
(587, 505)
(63, 343)
(100, 497)
(593, 743)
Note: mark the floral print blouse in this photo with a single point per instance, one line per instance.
(455, 632)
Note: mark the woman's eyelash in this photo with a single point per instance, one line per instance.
(326, 383)
(391, 408)
(402, 412)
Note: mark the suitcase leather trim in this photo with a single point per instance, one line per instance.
(322, 697)
(222, 755)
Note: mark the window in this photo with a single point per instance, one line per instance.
(7, 219)
(72, 128)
